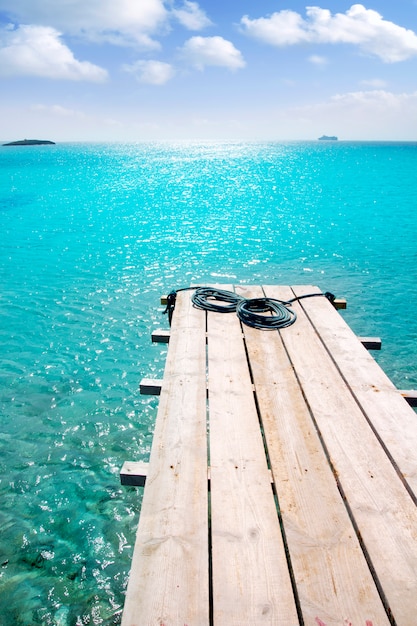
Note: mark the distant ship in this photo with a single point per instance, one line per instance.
(30, 142)
(328, 138)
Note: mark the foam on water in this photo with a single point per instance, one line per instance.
(91, 235)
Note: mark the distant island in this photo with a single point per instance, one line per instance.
(328, 138)
(30, 142)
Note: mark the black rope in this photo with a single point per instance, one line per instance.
(171, 300)
(250, 311)
(207, 299)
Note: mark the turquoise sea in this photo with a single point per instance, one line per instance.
(90, 236)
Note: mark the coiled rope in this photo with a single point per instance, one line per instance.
(250, 311)
(208, 298)
(281, 316)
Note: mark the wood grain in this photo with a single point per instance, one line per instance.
(251, 582)
(169, 576)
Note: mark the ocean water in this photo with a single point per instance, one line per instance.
(90, 236)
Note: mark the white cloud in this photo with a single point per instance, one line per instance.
(284, 28)
(57, 110)
(376, 100)
(191, 16)
(318, 60)
(376, 83)
(203, 51)
(359, 26)
(38, 51)
(374, 114)
(125, 22)
(151, 72)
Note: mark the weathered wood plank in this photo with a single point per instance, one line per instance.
(251, 582)
(340, 303)
(333, 580)
(169, 575)
(371, 343)
(387, 411)
(161, 335)
(134, 473)
(383, 511)
(150, 386)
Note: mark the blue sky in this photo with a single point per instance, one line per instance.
(150, 70)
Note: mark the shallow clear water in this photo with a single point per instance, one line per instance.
(91, 236)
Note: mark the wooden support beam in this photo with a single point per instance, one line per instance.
(150, 387)
(134, 473)
(371, 343)
(160, 335)
(410, 395)
(339, 303)
(153, 386)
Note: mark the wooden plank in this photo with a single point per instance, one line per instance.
(134, 473)
(389, 414)
(160, 336)
(150, 387)
(333, 580)
(383, 511)
(251, 582)
(169, 576)
(371, 343)
(340, 303)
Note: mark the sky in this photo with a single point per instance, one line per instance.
(221, 70)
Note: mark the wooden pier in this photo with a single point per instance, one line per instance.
(282, 482)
